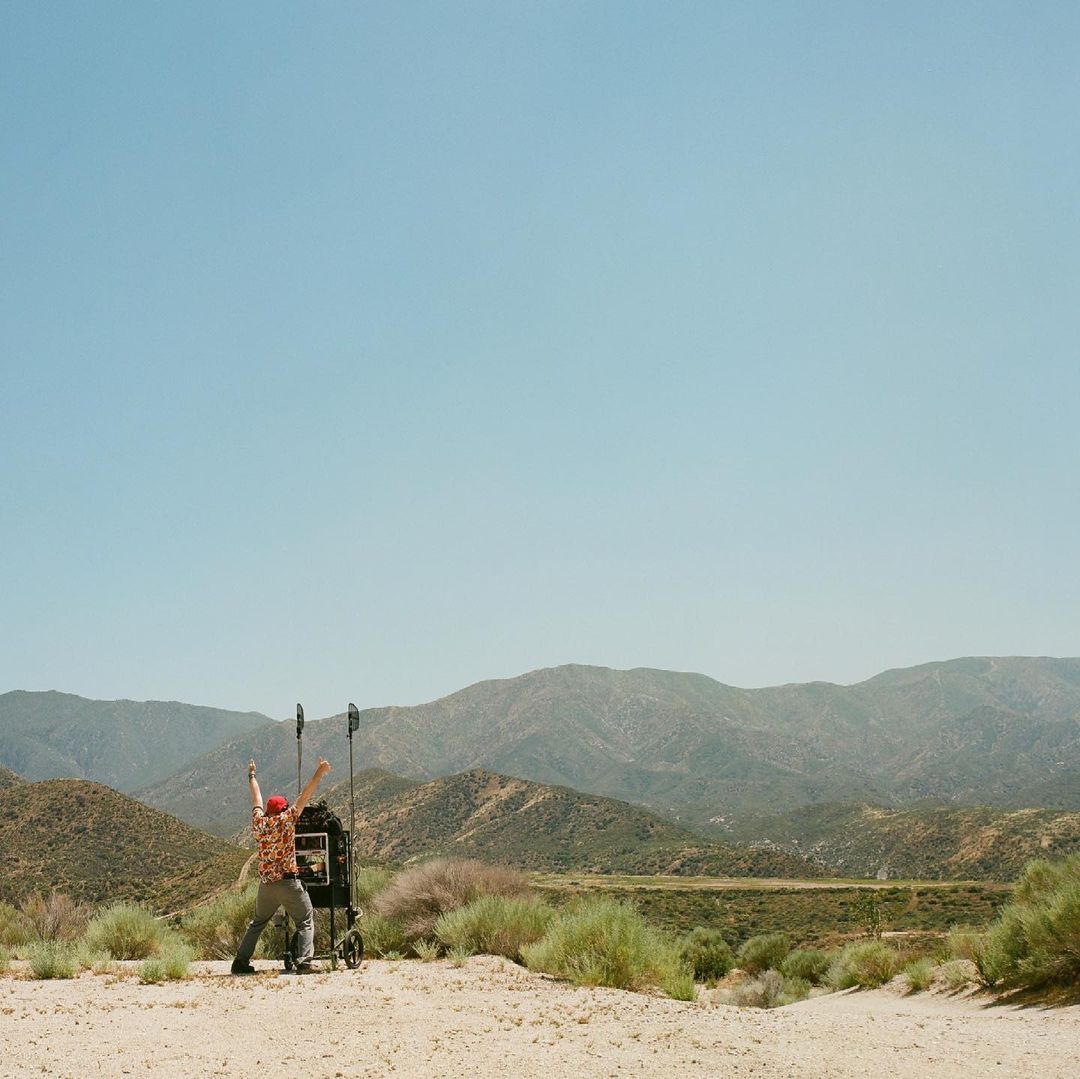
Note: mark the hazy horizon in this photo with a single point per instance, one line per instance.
(393, 349)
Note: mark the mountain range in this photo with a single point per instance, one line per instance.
(122, 744)
(996, 731)
(496, 818)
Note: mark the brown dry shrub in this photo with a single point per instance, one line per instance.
(57, 917)
(416, 897)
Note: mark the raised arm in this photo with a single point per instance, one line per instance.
(312, 783)
(253, 785)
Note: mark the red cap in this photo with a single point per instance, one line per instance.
(275, 804)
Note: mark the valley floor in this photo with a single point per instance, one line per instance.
(490, 1017)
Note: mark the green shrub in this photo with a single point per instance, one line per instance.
(416, 897)
(457, 957)
(764, 952)
(5, 959)
(603, 942)
(795, 989)
(215, 928)
(176, 958)
(867, 964)
(125, 931)
(369, 881)
(427, 950)
(919, 974)
(809, 964)
(382, 936)
(963, 942)
(678, 983)
(55, 917)
(88, 959)
(1035, 941)
(707, 953)
(151, 971)
(15, 928)
(494, 925)
(52, 959)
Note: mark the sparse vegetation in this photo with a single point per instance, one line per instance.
(1035, 941)
(54, 917)
(15, 930)
(919, 974)
(958, 974)
(963, 942)
(764, 952)
(601, 942)
(494, 925)
(427, 950)
(125, 931)
(382, 936)
(764, 991)
(5, 959)
(707, 953)
(416, 897)
(457, 956)
(809, 964)
(151, 971)
(216, 928)
(369, 882)
(867, 964)
(52, 959)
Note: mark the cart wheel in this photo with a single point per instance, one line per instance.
(352, 949)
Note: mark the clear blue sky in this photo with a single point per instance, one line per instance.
(363, 351)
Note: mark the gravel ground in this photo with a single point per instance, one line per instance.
(489, 1017)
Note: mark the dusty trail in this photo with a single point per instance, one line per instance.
(491, 1017)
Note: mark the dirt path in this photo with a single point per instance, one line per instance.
(491, 1017)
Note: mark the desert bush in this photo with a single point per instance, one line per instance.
(416, 897)
(176, 958)
(764, 952)
(764, 991)
(867, 964)
(427, 950)
(919, 974)
(810, 964)
(86, 958)
(1035, 941)
(52, 959)
(958, 974)
(457, 956)
(215, 928)
(5, 959)
(369, 881)
(707, 953)
(55, 917)
(125, 931)
(795, 989)
(963, 942)
(15, 929)
(494, 925)
(151, 971)
(382, 936)
(604, 942)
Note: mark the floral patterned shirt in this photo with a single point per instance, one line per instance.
(276, 836)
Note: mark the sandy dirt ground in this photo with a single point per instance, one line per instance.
(490, 1017)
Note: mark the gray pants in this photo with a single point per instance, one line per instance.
(291, 895)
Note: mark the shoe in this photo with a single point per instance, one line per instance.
(307, 968)
(241, 968)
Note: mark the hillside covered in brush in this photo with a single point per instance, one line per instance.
(497, 818)
(123, 744)
(98, 845)
(998, 731)
(922, 842)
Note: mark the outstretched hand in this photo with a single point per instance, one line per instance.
(251, 768)
(324, 767)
